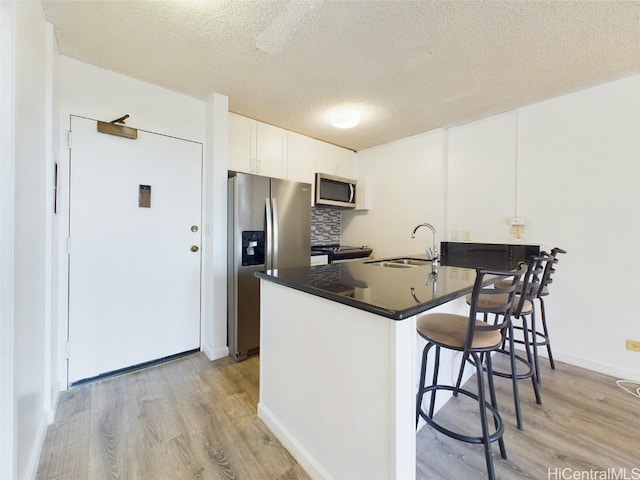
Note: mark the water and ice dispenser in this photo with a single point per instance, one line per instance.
(252, 247)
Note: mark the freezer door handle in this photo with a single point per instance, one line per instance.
(269, 240)
(274, 243)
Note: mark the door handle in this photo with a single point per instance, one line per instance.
(194, 248)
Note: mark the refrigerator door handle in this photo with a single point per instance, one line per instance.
(274, 244)
(269, 240)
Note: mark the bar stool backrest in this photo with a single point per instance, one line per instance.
(549, 270)
(531, 282)
(495, 300)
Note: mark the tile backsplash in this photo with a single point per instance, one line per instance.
(326, 225)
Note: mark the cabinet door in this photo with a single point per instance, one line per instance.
(241, 143)
(300, 158)
(270, 150)
(335, 160)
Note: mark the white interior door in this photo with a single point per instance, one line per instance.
(134, 270)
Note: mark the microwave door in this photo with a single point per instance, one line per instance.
(335, 191)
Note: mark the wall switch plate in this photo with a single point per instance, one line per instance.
(633, 345)
(454, 235)
(466, 235)
(516, 221)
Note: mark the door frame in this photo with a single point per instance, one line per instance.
(64, 205)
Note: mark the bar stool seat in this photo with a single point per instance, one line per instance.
(476, 339)
(450, 329)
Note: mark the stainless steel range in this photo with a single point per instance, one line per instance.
(340, 253)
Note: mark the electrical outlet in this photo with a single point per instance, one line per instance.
(633, 345)
(466, 235)
(517, 231)
(454, 235)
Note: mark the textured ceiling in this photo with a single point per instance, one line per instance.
(414, 65)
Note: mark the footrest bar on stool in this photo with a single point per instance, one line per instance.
(458, 436)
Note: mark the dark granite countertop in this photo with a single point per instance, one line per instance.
(399, 293)
(396, 293)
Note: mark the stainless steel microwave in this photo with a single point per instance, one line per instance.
(335, 191)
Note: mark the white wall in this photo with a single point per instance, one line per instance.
(405, 179)
(26, 90)
(39, 91)
(92, 92)
(571, 167)
(7, 161)
(482, 178)
(580, 190)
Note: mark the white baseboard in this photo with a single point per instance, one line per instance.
(38, 444)
(302, 456)
(215, 354)
(611, 370)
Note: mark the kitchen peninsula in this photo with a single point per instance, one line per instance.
(339, 359)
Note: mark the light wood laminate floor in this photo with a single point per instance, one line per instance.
(192, 418)
(187, 419)
(586, 423)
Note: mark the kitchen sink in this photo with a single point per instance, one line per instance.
(400, 262)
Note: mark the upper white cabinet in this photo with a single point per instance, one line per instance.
(262, 149)
(271, 145)
(300, 158)
(241, 146)
(256, 147)
(335, 160)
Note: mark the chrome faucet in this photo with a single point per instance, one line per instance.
(432, 253)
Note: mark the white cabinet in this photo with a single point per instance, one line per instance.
(262, 149)
(270, 150)
(241, 133)
(256, 147)
(335, 160)
(300, 158)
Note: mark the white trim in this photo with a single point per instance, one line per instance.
(38, 444)
(611, 370)
(306, 460)
(48, 367)
(215, 354)
(8, 465)
(214, 234)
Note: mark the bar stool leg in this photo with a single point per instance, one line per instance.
(536, 358)
(527, 349)
(436, 368)
(546, 334)
(465, 357)
(423, 374)
(483, 417)
(494, 402)
(514, 377)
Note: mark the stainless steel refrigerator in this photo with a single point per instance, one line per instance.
(269, 222)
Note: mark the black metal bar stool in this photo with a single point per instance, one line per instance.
(530, 334)
(475, 338)
(526, 292)
(540, 339)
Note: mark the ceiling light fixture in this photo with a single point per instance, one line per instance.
(345, 117)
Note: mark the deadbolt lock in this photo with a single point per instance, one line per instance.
(194, 228)
(194, 248)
